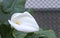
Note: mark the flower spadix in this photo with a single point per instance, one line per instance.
(24, 22)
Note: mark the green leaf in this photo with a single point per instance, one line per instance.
(47, 33)
(50, 34)
(31, 11)
(35, 35)
(1, 2)
(4, 17)
(42, 34)
(19, 6)
(18, 34)
(14, 5)
(8, 7)
(6, 31)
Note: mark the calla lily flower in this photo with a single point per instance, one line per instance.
(24, 22)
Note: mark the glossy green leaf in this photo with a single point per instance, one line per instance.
(14, 5)
(18, 34)
(42, 34)
(47, 33)
(4, 17)
(31, 11)
(35, 34)
(8, 7)
(6, 31)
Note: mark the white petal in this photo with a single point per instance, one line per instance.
(25, 17)
(23, 27)
(20, 15)
(28, 28)
(13, 24)
(28, 18)
(31, 19)
(28, 14)
(15, 15)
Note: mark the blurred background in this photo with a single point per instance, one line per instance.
(46, 13)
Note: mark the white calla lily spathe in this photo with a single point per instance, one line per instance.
(24, 22)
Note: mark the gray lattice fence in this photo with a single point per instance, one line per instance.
(46, 19)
